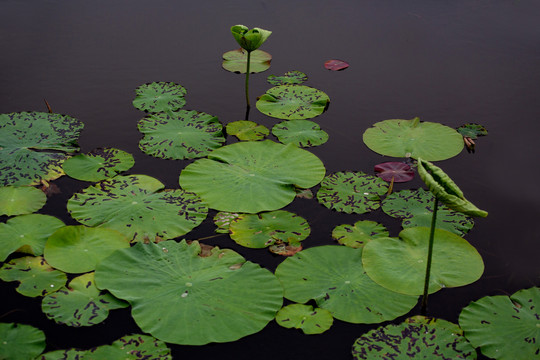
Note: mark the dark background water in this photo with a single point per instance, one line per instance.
(452, 62)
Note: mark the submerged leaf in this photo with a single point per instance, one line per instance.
(293, 102)
(289, 78)
(98, 165)
(394, 171)
(223, 221)
(159, 97)
(302, 133)
(247, 130)
(18, 200)
(236, 61)
(299, 316)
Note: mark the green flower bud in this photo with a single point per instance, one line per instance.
(249, 39)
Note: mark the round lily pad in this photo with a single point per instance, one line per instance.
(503, 327)
(17, 200)
(304, 317)
(20, 342)
(180, 135)
(400, 264)
(333, 276)
(302, 133)
(289, 78)
(182, 298)
(359, 234)
(132, 347)
(293, 102)
(251, 177)
(413, 138)
(247, 130)
(394, 171)
(98, 165)
(236, 61)
(159, 97)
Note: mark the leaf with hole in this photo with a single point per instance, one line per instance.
(358, 234)
(304, 317)
(246, 130)
(159, 96)
(293, 102)
(99, 164)
(236, 61)
(289, 78)
(302, 133)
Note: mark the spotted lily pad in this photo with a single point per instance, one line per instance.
(180, 135)
(18, 200)
(132, 347)
(293, 102)
(302, 133)
(68, 354)
(33, 146)
(299, 316)
(159, 97)
(351, 192)
(20, 342)
(236, 61)
(247, 130)
(394, 171)
(98, 165)
(472, 131)
(359, 234)
(289, 78)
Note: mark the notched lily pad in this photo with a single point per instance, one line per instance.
(302, 133)
(289, 78)
(159, 96)
(246, 130)
(18, 200)
(293, 102)
(236, 61)
(99, 164)
(358, 234)
(20, 342)
(304, 317)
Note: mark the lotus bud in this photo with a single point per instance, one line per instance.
(249, 39)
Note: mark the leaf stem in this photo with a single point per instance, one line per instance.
(247, 77)
(429, 256)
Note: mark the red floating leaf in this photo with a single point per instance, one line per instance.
(398, 171)
(336, 65)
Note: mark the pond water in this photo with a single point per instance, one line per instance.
(452, 62)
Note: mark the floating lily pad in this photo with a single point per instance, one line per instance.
(33, 146)
(17, 200)
(132, 347)
(180, 135)
(251, 177)
(302, 133)
(68, 354)
(299, 316)
(293, 102)
(416, 338)
(236, 61)
(289, 78)
(334, 277)
(503, 327)
(183, 298)
(247, 130)
(98, 165)
(285, 248)
(336, 65)
(20, 342)
(223, 220)
(400, 264)
(394, 171)
(351, 192)
(137, 207)
(359, 234)
(472, 131)
(159, 97)
(413, 138)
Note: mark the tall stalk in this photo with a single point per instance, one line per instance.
(247, 77)
(429, 256)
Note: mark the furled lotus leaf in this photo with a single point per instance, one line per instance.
(132, 347)
(265, 229)
(17, 200)
(223, 220)
(472, 130)
(251, 177)
(351, 192)
(20, 342)
(333, 276)
(236, 61)
(415, 207)
(27, 234)
(78, 249)
(183, 298)
(394, 171)
(336, 65)
(247, 130)
(68, 354)
(99, 164)
(417, 337)
(304, 317)
(399, 264)
(33, 146)
(80, 303)
(359, 234)
(289, 78)
(136, 206)
(293, 102)
(249, 39)
(302, 133)
(503, 327)
(180, 135)
(413, 138)
(159, 97)
(36, 277)
(446, 191)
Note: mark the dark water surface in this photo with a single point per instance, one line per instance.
(451, 62)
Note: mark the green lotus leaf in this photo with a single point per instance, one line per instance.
(247, 130)
(415, 207)
(293, 102)
(302, 133)
(20, 342)
(137, 207)
(249, 39)
(472, 131)
(99, 164)
(69, 354)
(265, 229)
(400, 264)
(36, 277)
(180, 135)
(181, 297)
(17, 200)
(251, 177)
(417, 337)
(27, 234)
(333, 276)
(351, 192)
(503, 327)
(289, 78)
(413, 138)
(236, 61)
(358, 234)
(304, 317)
(223, 220)
(78, 249)
(33, 146)
(159, 97)
(132, 347)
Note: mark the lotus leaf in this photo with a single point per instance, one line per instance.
(394, 172)
(180, 135)
(351, 192)
(336, 65)
(249, 39)
(236, 61)
(265, 229)
(98, 165)
(132, 347)
(36, 277)
(27, 234)
(304, 317)
(182, 298)
(417, 337)
(359, 234)
(33, 146)
(503, 327)
(17, 200)
(137, 206)
(251, 177)
(223, 220)
(413, 138)
(247, 130)
(333, 276)
(20, 342)
(293, 102)
(289, 78)
(159, 97)
(399, 264)
(302, 133)
(472, 131)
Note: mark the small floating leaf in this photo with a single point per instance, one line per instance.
(472, 131)
(17, 200)
(247, 130)
(159, 97)
(299, 316)
(289, 78)
(236, 61)
(20, 342)
(132, 347)
(359, 234)
(336, 65)
(394, 171)
(302, 133)
(293, 102)
(98, 165)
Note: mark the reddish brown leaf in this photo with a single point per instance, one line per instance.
(396, 171)
(336, 65)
